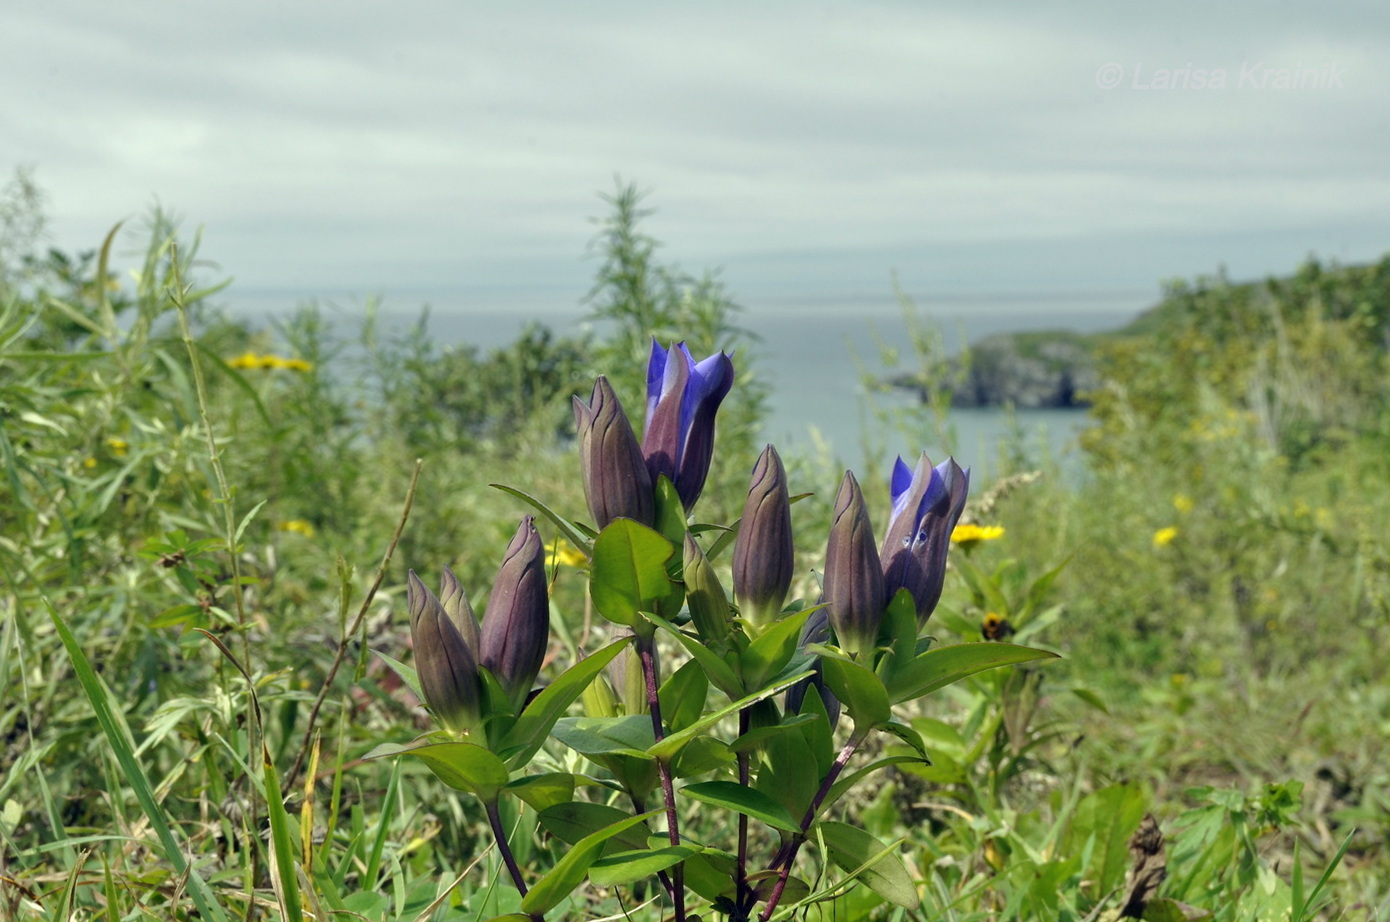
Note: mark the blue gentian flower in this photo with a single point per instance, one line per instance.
(927, 503)
(682, 398)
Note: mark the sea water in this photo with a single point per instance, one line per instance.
(816, 360)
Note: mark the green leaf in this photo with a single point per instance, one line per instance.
(845, 782)
(569, 871)
(407, 673)
(571, 822)
(117, 734)
(540, 792)
(598, 736)
(908, 735)
(772, 650)
(715, 667)
(861, 692)
(531, 729)
(1106, 818)
(876, 864)
(743, 800)
(462, 766)
(683, 695)
(760, 735)
(943, 666)
(629, 571)
(571, 534)
(670, 514)
(625, 867)
(673, 743)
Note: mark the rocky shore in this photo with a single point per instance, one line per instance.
(1032, 370)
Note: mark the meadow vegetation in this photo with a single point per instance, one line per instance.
(207, 525)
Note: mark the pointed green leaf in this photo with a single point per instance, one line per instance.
(714, 665)
(407, 674)
(673, 743)
(743, 800)
(571, 534)
(597, 736)
(540, 792)
(571, 822)
(943, 666)
(876, 864)
(531, 729)
(683, 695)
(860, 691)
(629, 571)
(773, 649)
(845, 782)
(462, 766)
(569, 871)
(625, 867)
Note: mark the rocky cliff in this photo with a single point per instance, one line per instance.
(1026, 370)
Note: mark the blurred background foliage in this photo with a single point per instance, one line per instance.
(1214, 568)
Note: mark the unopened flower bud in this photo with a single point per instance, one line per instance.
(444, 663)
(616, 481)
(516, 625)
(853, 574)
(709, 606)
(763, 554)
(457, 607)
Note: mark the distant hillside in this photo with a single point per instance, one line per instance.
(1057, 368)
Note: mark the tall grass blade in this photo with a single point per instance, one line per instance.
(113, 726)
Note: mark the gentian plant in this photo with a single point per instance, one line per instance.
(704, 701)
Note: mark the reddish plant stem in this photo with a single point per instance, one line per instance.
(500, 834)
(646, 650)
(741, 874)
(788, 854)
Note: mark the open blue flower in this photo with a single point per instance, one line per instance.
(927, 503)
(682, 398)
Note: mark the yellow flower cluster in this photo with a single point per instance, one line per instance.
(1164, 536)
(566, 554)
(298, 526)
(261, 362)
(970, 534)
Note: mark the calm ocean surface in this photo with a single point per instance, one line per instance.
(815, 359)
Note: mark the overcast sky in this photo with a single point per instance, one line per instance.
(1083, 151)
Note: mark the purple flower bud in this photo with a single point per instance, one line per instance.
(616, 482)
(927, 503)
(516, 625)
(682, 398)
(444, 662)
(853, 575)
(763, 554)
(457, 607)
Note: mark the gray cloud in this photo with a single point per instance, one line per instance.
(805, 147)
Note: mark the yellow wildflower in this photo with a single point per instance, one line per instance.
(1164, 536)
(971, 534)
(1183, 503)
(262, 362)
(89, 463)
(299, 526)
(118, 447)
(565, 554)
